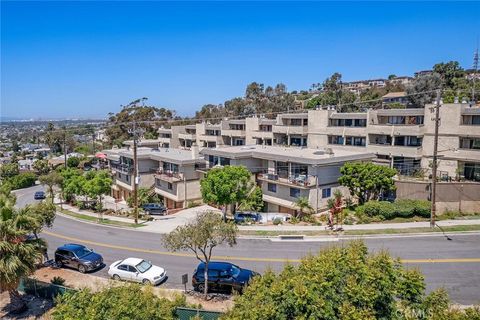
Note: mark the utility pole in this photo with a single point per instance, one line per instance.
(93, 143)
(434, 167)
(65, 145)
(136, 179)
(475, 70)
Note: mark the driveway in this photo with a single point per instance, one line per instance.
(166, 224)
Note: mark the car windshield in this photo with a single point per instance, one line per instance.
(143, 266)
(82, 252)
(235, 271)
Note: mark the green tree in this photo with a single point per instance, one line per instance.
(366, 180)
(51, 180)
(449, 71)
(41, 167)
(253, 201)
(73, 162)
(23, 180)
(422, 90)
(201, 236)
(9, 170)
(145, 195)
(98, 185)
(343, 282)
(227, 185)
(18, 252)
(304, 207)
(138, 111)
(131, 302)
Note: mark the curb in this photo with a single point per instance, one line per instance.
(287, 237)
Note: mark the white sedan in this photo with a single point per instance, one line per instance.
(138, 270)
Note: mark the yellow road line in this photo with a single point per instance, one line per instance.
(189, 255)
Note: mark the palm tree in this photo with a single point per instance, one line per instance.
(18, 252)
(304, 206)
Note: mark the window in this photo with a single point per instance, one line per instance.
(355, 141)
(470, 143)
(272, 187)
(294, 192)
(131, 269)
(335, 139)
(326, 193)
(170, 186)
(123, 267)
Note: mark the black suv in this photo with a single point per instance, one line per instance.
(78, 257)
(222, 277)
(39, 195)
(154, 208)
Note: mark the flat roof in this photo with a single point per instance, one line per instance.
(401, 112)
(289, 154)
(178, 156)
(349, 115)
(398, 94)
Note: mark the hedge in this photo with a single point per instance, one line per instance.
(404, 208)
(22, 180)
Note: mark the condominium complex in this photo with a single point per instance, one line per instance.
(299, 154)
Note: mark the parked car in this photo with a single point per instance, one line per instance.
(154, 208)
(39, 195)
(78, 257)
(138, 270)
(243, 217)
(222, 277)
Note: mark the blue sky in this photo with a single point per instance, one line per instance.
(84, 59)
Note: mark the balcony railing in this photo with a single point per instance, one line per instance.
(301, 180)
(168, 175)
(122, 167)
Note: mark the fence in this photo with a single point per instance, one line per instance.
(187, 314)
(49, 291)
(42, 289)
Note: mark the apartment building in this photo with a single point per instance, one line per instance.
(403, 138)
(121, 163)
(286, 173)
(171, 173)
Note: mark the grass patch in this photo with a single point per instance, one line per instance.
(360, 232)
(97, 220)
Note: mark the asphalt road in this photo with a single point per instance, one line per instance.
(455, 266)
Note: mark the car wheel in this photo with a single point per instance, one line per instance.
(59, 264)
(200, 287)
(146, 282)
(116, 277)
(82, 269)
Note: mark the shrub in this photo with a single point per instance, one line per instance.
(116, 303)
(73, 162)
(59, 281)
(384, 210)
(344, 282)
(22, 180)
(278, 221)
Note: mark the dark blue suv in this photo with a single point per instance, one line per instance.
(39, 195)
(222, 277)
(78, 257)
(244, 217)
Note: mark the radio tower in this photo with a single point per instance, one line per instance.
(475, 72)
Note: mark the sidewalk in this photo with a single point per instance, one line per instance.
(371, 226)
(161, 224)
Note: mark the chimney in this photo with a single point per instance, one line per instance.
(195, 150)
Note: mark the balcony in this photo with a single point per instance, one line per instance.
(300, 130)
(122, 167)
(298, 180)
(187, 136)
(209, 138)
(168, 175)
(233, 133)
(260, 134)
